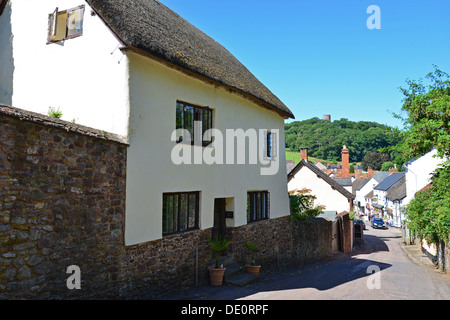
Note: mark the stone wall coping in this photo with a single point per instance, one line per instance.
(25, 115)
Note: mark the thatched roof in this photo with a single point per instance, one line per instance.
(149, 27)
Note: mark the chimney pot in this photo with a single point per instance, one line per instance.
(345, 163)
(304, 154)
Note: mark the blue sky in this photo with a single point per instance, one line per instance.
(319, 57)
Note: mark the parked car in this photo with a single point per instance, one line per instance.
(378, 223)
(360, 222)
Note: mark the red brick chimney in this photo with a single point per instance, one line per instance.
(304, 154)
(345, 163)
(394, 169)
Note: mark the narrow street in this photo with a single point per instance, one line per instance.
(402, 274)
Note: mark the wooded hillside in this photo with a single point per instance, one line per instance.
(325, 139)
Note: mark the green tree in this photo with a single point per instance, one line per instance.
(427, 121)
(387, 165)
(302, 204)
(374, 160)
(325, 140)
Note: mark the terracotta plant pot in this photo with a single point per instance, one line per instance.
(253, 269)
(216, 276)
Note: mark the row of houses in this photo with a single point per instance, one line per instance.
(170, 95)
(367, 194)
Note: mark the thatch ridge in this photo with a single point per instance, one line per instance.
(150, 26)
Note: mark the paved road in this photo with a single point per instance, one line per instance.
(398, 273)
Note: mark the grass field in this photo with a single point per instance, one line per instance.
(296, 156)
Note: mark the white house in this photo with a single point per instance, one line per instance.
(359, 201)
(137, 69)
(305, 175)
(364, 191)
(381, 190)
(395, 202)
(418, 172)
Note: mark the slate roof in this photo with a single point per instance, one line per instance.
(398, 190)
(320, 174)
(344, 181)
(148, 27)
(358, 184)
(289, 167)
(380, 176)
(389, 181)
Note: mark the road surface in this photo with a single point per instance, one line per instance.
(381, 268)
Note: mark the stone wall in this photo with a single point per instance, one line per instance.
(313, 241)
(283, 242)
(62, 203)
(175, 262)
(62, 200)
(273, 238)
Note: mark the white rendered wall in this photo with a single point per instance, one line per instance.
(332, 199)
(85, 77)
(360, 194)
(419, 172)
(154, 90)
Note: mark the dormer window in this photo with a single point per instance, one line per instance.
(65, 24)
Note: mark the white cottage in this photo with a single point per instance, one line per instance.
(329, 193)
(137, 69)
(418, 172)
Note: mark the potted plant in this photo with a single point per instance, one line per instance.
(218, 246)
(252, 268)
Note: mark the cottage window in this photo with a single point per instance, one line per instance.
(196, 120)
(258, 204)
(180, 212)
(65, 24)
(270, 145)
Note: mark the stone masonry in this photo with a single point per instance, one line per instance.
(62, 203)
(62, 200)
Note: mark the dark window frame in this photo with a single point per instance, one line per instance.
(258, 206)
(53, 24)
(186, 116)
(173, 222)
(269, 144)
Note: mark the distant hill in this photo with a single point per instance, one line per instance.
(325, 139)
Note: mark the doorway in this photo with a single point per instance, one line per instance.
(219, 228)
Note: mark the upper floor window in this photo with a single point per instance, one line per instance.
(196, 120)
(270, 145)
(65, 24)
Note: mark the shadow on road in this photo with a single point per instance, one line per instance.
(342, 268)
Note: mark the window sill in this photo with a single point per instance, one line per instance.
(196, 145)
